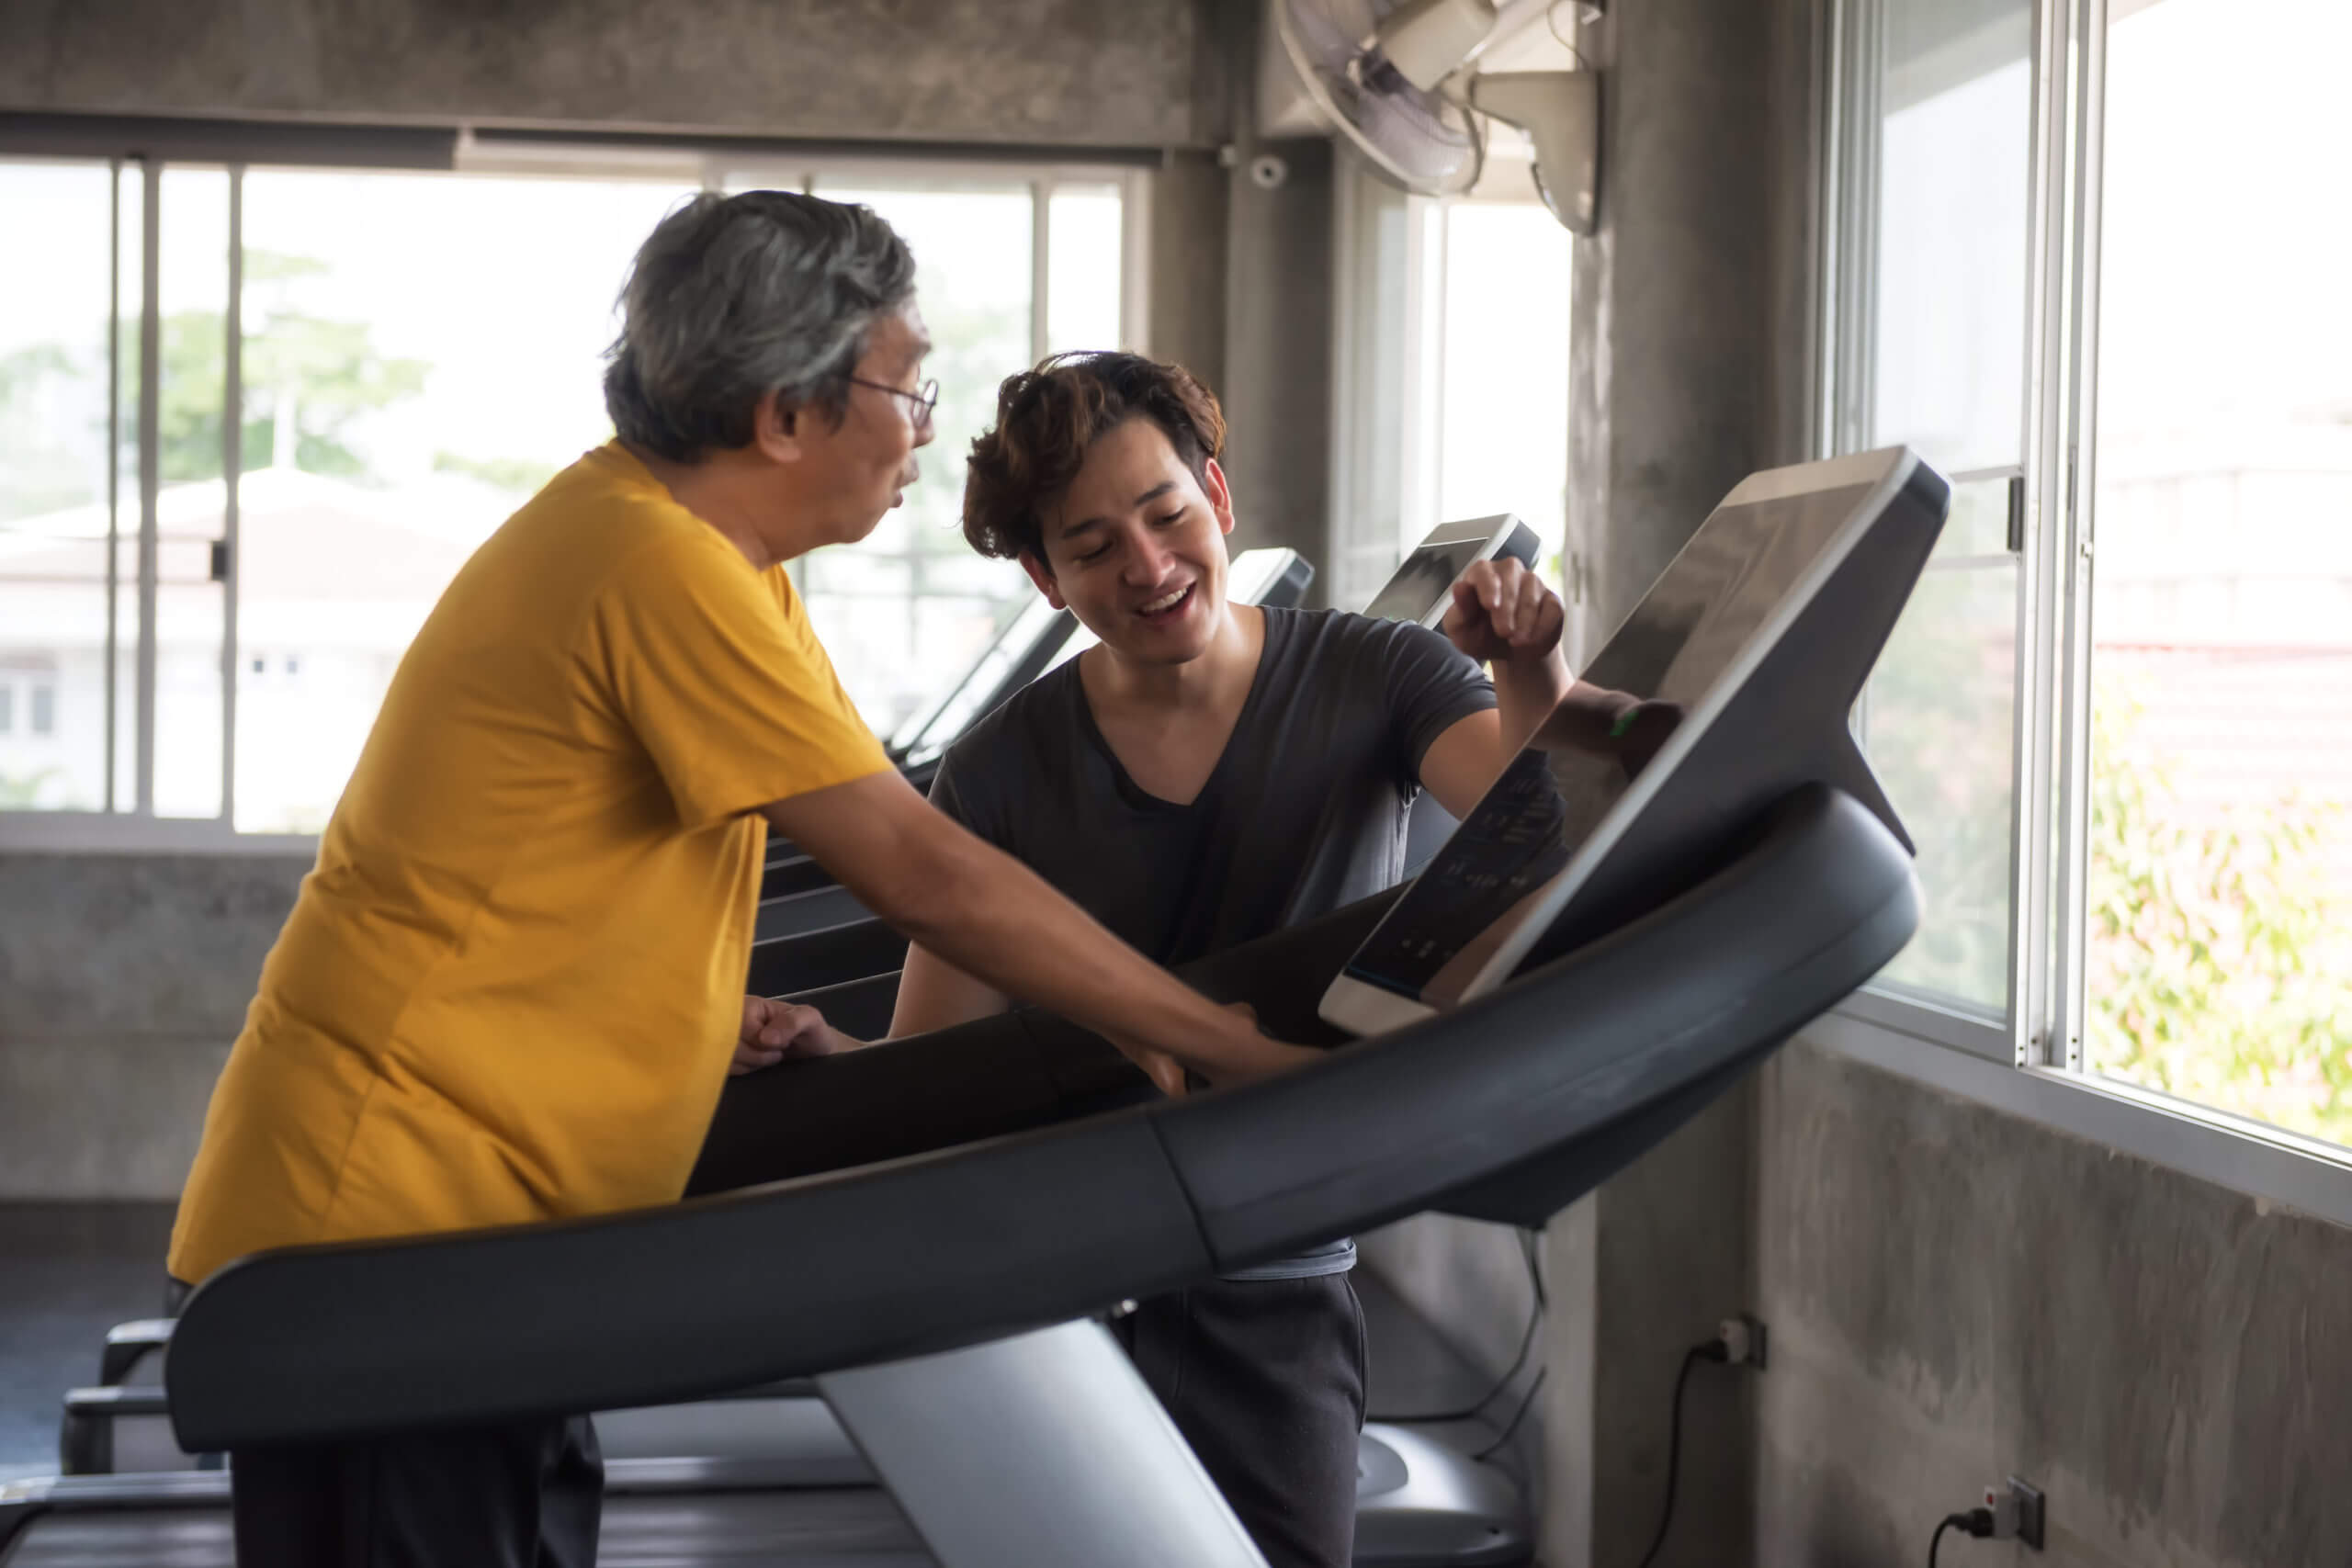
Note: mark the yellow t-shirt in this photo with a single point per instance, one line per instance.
(510, 989)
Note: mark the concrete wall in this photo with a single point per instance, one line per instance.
(123, 980)
(1140, 74)
(1956, 1295)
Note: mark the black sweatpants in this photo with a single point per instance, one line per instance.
(525, 1495)
(1265, 1379)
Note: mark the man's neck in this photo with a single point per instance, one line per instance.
(1218, 680)
(735, 497)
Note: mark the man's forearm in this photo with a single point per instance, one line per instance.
(1001, 923)
(1527, 693)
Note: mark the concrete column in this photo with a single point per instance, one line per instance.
(1691, 368)
(1689, 327)
(1189, 196)
(1277, 385)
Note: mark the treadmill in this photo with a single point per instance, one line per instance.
(796, 894)
(113, 1425)
(1612, 940)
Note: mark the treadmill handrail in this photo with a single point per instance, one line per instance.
(879, 1262)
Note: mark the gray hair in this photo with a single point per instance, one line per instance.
(732, 299)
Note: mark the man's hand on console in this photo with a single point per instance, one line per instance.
(1504, 613)
(775, 1030)
(1508, 618)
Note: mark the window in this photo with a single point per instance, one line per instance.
(1451, 367)
(2079, 260)
(2220, 888)
(69, 513)
(1934, 307)
(357, 376)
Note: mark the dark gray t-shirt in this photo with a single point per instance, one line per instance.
(1304, 812)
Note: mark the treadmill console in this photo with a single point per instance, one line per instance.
(1719, 694)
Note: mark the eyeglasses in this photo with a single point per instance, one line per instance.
(921, 400)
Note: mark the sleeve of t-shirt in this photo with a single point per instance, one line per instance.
(970, 808)
(947, 796)
(1431, 685)
(715, 667)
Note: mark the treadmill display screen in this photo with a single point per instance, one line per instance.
(1505, 874)
(1424, 581)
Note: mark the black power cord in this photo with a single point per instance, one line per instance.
(1517, 1416)
(1977, 1522)
(1540, 1303)
(1712, 1351)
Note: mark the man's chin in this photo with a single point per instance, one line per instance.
(1144, 646)
(862, 526)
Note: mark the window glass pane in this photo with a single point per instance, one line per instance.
(422, 351)
(191, 504)
(971, 247)
(1083, 267)
(2220, 942)
(1938, 725)
(1503, 405)
(53, 455)
(1953, 102)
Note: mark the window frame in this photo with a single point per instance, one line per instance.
(145, 149)
(2033, 1064)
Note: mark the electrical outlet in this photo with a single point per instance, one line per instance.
(2028, 1499)
(2015, 1507)
(1743, 1340)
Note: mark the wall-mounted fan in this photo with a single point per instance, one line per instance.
(1401, 80)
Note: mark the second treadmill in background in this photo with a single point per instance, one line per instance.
(1421, 589)
(1422, 585)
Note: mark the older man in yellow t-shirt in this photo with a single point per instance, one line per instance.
(512, 987)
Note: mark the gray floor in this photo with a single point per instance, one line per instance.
(68, 1272)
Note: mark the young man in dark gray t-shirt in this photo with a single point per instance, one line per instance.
(1209, 774)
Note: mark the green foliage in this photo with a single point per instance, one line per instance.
(2215, 965)
(323, 374)
(24, 793)
(1939, 719)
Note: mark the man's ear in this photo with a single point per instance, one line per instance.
(776, 428)
(1042, 576)
(1220, 497)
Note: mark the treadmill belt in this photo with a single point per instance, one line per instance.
(848, 1527)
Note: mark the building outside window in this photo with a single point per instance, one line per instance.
(414, 354)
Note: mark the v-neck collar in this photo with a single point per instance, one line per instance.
(1134, 792)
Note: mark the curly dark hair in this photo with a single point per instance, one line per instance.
(1046, 417)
